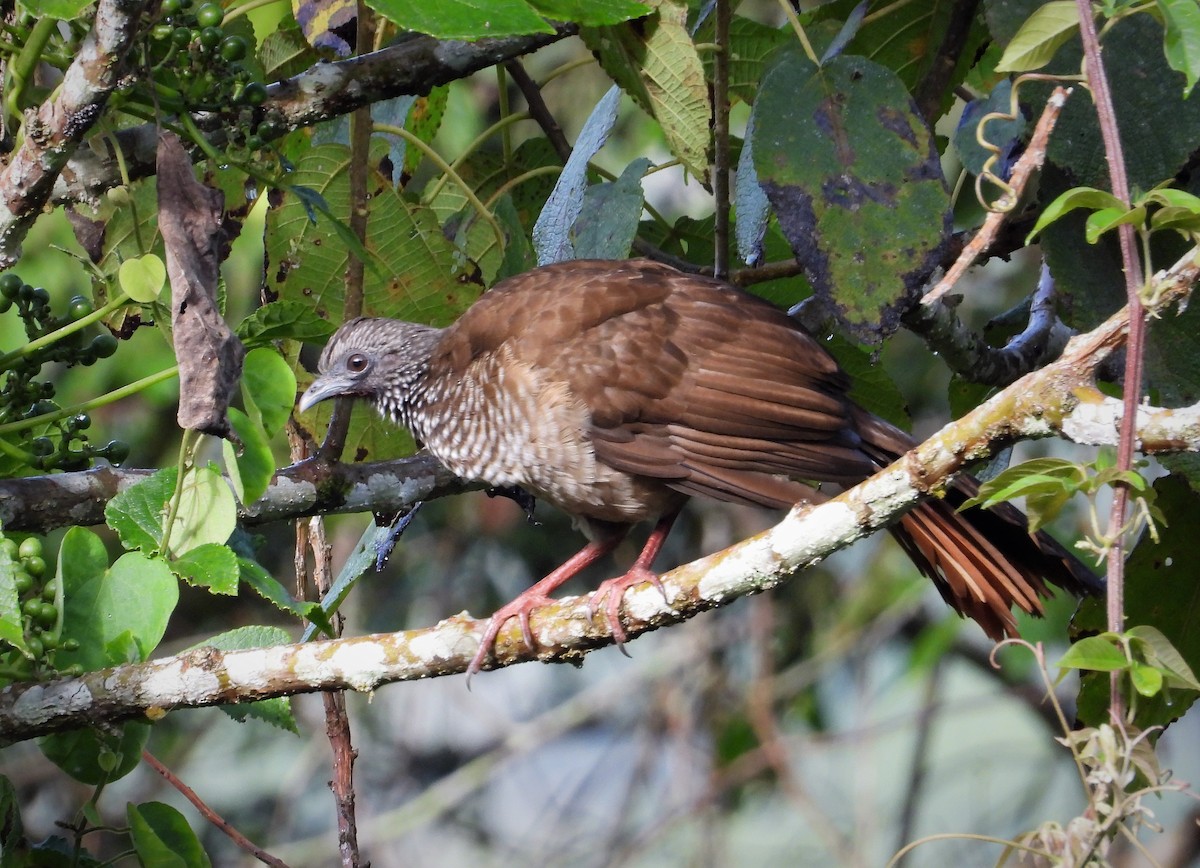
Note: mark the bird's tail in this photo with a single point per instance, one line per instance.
(983, 561)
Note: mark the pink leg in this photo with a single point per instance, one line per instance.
(536, 597)
(640, 572)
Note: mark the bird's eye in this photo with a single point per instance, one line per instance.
(357, 363)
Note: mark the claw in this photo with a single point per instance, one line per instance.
(521, 608)
(614, 590)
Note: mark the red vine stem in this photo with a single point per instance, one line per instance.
(1135, 352)
(209, 814)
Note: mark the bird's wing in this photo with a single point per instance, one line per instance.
(687, 380)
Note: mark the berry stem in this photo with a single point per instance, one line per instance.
(8, 359)
(87, 406)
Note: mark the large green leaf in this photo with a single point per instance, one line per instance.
(119, 612)
(476, 19)
(750, 45)
(655, 62)
(162, 837)
(855, 182)
(412, 268)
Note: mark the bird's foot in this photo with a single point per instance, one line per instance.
(614, 590)
(521, 608)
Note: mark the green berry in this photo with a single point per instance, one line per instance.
(25, 293)
(79, 308)
(254, 142)
(32, 608)
(31, 547)
(10, 285)
(116, 451)
(35, 566)
(104, 346)
(181, 35)
(254, 94)
(47, 615)
(10, 548)
(42, 446)
(170, 7)
(22, 581)
(70, 645)
(81, 422)
(209, 15)
(5, 303)
(233, 48)
(50, 590)
(40, 297)
(210, 37)
(35, 646)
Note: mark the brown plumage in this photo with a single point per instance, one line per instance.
(615, 390)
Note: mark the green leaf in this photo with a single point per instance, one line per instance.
(277, 711)
(1158, 651)
(136, 595)
(142, 278)
(1147, 680)
(361, 559)
(64, 10)
(855, 181)
(1181, 45)
(1173, 198)
(284, 320)
(591, 13)
(1105, 219)
(12, 624)
(162, 837)
(211, 566)
(750, 44)
(207, 510)
(12, 831)
(606, 226)
(1042, 34)
(1098, 653)
(269, 387)
(269, 588)
(81, 558)
(997, 131)
(251, 466)
(1078, 197)
(463, 19)
(138, 512)
(96, 756)
(656, 63)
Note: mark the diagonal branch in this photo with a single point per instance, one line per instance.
(1035, 406)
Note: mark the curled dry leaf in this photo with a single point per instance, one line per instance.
(209, 354)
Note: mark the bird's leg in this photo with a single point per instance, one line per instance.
(640, 572)
(537, 596)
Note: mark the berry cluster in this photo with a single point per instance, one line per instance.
(23, 396)
(198, 65)
(40, 607)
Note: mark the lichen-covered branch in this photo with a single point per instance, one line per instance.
(39, 504)
(1039, 404)
(53, 133)
(326, 90)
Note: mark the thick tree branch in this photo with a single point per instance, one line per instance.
(327, 90)
(1036, 406)
(39, 504)
(54, 131)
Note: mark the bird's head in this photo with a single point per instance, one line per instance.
(379, 359)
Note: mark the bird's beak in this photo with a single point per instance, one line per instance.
(321, 389)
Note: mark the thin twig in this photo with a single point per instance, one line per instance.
(209, 814)
(928, 94)
(539, 110)
(1031, 160)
